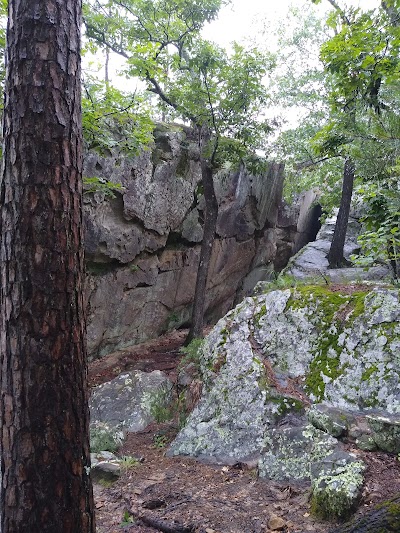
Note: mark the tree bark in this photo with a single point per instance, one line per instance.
(336, 252)
(384, 518)
(44, 416)
(210, 224)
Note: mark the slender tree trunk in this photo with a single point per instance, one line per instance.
(210, 223)
(336, 253)
(106, 67)
(44, 415)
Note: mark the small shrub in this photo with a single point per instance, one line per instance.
(127, 519)
(159, 440)
(127, 462)
(158, 404)
(192, 352)
(108, 188)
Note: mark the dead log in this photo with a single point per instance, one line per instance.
(384, 518)
(162, 525)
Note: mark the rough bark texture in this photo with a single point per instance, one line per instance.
(210, 224)
(385, 518)
(335, 255)
(44, 416)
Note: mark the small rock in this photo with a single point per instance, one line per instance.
(154, 504)
(336, 484)
(386, 431)
(276, 523)
(102, 456)
(328, 419)
(105, 471)
(366, 443)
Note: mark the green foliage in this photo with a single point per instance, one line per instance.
(173, 320)
(192, 78)
(108, 188)
(380, 239)
(300, 86)
(127, 462)
(102, 439)
(127, 519)
(159, 440)
(114, 120)
(192, 353)
(158, 404)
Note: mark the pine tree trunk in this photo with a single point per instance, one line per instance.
(336, 253)
(210, 223)
(44, 414)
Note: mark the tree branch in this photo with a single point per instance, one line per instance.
(312, 163)
(100, 37)
(391, 12)
(343, 15)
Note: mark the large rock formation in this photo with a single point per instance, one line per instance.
(279, 351)
(142, 246)
(276, 354)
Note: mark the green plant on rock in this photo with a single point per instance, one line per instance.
(95, 184)
(173, 320)
(192, 353)
(158, 404)
(102, 439)
(336, 311)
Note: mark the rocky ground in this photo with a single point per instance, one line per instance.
(182, 495)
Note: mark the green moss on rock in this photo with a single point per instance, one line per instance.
(335, 311)
(336, 494)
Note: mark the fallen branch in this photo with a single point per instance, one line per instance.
(162, 525)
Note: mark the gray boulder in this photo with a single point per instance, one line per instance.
(336, 483)
(277, 352)
(311, 261)
(129, 402)
(290, 452)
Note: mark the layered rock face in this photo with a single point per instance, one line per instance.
(142, 247)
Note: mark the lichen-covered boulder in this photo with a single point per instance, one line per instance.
(127, 403)
(328, 419)
(281, 350)
(336, 483)
(104, 437)
(290, 452)
(385, 431)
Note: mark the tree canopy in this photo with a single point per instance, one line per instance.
(354, 114)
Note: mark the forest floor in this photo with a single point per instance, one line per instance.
(182, 495)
